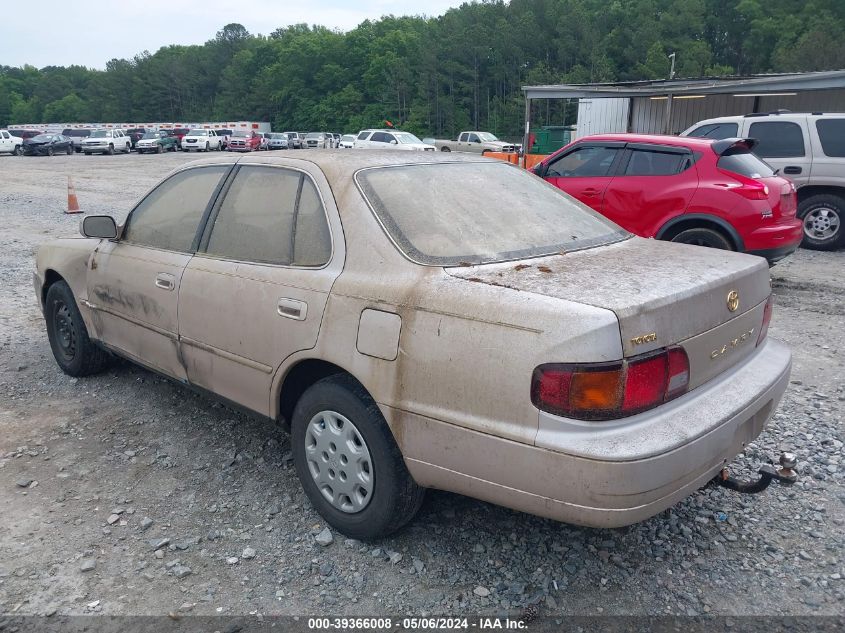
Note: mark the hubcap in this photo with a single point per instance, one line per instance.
(65, 332)
(339, 461)
(821, 223)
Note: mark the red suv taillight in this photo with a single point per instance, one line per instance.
(767, 318)
(605, 391)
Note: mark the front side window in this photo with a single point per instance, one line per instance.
(271, 216)
(584, 162)
(777, 139)
(169, 216)
(655, 163)
(473, 138)
(449, 214)
(832, 136)
(381, 137)
(716, 131)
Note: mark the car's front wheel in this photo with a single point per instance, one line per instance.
(703, 237)
(75, 353)
(50, 151)
(159, 149)
(348, 462)
(16, 151)
(823, 216)
(69, 150)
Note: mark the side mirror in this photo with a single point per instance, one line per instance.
(394, 142)
(540, 170)
(101, 226)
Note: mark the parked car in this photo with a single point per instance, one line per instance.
(296, 140)
(135, 134)
(47, 145)
(156, 142)
(556, 390)
(224, 137)
(10, 144)
(390, 139)
(244, 141)
(689, 190)
(25, 134)
(201, 140)
(335, 139)
(809, 149)
(317, 140)
(477, 142)
(277, 140)
(106, 142)
(77, 136)
(347, 141)
(265, 140)
(179, 133)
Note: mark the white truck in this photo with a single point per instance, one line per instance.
(106, 142)
(474, 141)
(201, 140)
(10, 143)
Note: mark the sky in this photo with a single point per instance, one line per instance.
(91, 32)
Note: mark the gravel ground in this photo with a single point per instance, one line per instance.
(144, 498)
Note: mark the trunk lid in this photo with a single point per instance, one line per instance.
(662, 294)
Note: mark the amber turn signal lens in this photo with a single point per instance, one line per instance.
(596, 390)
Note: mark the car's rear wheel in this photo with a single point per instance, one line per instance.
(823, 216)
(445, 149)
(348, 462)
(704, 237)
(75, 353)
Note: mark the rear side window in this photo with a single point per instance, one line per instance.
(169, 216)
(363, 136)
(745, 164)
(832, 135)
(716, 131)
(777, 139)
(271, 216)
(584, 162)
(652, 163)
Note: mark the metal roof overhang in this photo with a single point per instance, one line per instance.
(792, 82)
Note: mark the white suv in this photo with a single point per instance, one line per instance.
(10, 143)
(390, 139)
(809, 149)
(201, 140)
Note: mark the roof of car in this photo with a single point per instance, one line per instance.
(656, 139)
(332, 160)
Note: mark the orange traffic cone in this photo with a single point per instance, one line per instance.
(72, 202)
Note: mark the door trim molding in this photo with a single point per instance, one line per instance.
(227, 355)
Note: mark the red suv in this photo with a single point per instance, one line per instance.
(689, 190)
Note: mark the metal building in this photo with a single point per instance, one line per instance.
(671, 106)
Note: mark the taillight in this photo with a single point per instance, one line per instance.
(605, 391)
(767, 318)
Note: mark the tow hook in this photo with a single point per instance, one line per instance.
(786, 475)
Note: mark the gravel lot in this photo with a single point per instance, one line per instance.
(148, 499)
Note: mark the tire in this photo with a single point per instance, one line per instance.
(69, 150)
(445, 149)
(17, 151)
(128, 148)
(823, 216)
(704, 237)
(159, 149)
(50, 151)
(75, 354)
(110, 151)
(207, 147)
(393, 498)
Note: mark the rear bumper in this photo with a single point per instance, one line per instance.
(777, 241)
(598, 476)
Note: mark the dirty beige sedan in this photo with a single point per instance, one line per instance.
(426, 322)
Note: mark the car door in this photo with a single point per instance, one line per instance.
(133, 283)
(6, 142)
(264, 269)
(585, 171)
(785, 145)
(653, 184)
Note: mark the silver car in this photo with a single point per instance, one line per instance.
(277, 140)
(489, 335)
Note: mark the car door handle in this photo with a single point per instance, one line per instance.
(165, 281)
(590, 192)
(292, 309)
(792, 169)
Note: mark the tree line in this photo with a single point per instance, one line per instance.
(432, 75)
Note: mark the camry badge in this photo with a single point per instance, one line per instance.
(733, 300)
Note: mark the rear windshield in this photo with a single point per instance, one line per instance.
(448, 214)
(746, 164)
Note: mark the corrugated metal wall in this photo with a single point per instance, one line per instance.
(648, 114)
(602, 116)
